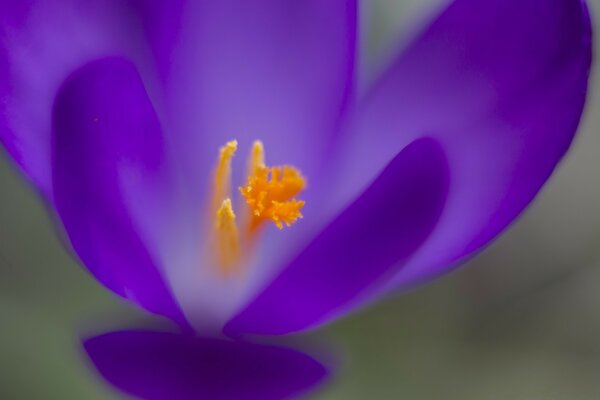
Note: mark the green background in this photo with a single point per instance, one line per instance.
(521, 321)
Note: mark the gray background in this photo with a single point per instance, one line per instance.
(521, 321)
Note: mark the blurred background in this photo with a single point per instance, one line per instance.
(521, 321)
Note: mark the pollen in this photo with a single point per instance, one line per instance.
(270, 195)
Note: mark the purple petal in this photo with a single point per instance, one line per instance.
(279, 71)
(43, 42)
(165, 366)
(40, 45)
(161, 26)
(501, 84)
(112, 182)
(374, 236)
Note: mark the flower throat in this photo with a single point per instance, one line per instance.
(269, 194)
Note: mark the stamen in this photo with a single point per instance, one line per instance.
(286, 213)
(222, 183)
(228, 245)
(270, 195)
(257, 158)
(226, 235)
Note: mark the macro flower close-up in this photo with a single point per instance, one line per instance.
(229, 167)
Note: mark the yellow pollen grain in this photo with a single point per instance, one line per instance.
(286, 213)
(270, 194)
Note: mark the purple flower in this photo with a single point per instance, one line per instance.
(122, 113)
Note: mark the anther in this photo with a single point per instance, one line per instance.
(228, 245)
(270, 195)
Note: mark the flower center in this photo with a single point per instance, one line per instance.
(269, 194)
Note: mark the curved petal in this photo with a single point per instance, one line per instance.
(42, 42)
(165, 366)
(501, 84)
(276, 70)
(374, 236)
(279, 71)
(112, 180)
(160, 21)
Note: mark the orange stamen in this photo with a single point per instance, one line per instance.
(228, 246)
(270, 195)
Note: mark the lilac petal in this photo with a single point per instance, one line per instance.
(161, 27)
(501, 84)
(109, 165)
(165, 366)
(42, 42)
(374, 236)
(279, 71)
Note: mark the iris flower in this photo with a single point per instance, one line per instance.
(213, 162)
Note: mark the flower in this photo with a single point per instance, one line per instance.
(126, 115)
